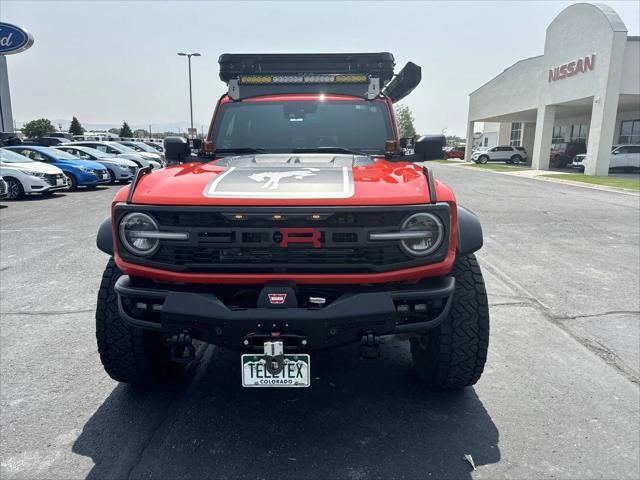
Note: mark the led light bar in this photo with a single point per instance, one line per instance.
(279, 79)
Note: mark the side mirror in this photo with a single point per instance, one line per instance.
(196, 144)
(406, 142)
(615, 152)
(176, 149)
(428, 147)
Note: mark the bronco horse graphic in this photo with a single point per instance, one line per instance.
(273, 178)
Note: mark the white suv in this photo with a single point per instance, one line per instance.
(23, 175)
(623, 157)
(500, 153)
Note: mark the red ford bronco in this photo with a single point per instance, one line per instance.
(308, 227)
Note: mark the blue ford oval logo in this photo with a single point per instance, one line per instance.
(13, 39)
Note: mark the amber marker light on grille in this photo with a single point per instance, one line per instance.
(277, 217)
(315, 216)
(238, 217)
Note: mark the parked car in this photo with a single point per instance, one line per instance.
(454, 152)
(120, 169)
(45, 141)
(563, 153)
(115, 148)
(499, 153)
(141, 147)
(3, 188)
(79, 173)
(66, 135)
(155, 146)
(24, 176)
(623, 157)
(523, 152)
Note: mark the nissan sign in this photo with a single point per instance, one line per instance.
(570, 69)
(13, 39)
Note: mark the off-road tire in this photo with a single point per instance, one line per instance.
(128, 354)
(452, 355)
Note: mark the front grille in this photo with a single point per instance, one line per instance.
(52, 178)
(263, 240)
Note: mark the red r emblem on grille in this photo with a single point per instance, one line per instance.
(300, 235)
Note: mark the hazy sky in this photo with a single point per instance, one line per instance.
(106, 62)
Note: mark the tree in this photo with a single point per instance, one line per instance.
(404, 118)
(114, 130)
(75, 128)
(38, 128)
(454, 140)
(125, 131)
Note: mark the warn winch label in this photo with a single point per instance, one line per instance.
(282, 182)
(277, 298)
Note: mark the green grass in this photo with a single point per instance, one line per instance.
(497, 167)
(628, 183)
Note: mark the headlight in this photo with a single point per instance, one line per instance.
(88, 170)
(133, 229)
(34, 174)
(428, 234)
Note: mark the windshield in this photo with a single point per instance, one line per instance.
(144, 147)
(63, 155)
(121, 148)
(288, 126)
(7, 156)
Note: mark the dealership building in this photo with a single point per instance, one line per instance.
(584, 88)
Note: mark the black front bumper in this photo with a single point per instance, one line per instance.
(375, 310)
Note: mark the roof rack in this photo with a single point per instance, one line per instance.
(359, 74)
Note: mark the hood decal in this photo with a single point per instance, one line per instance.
(282, 182)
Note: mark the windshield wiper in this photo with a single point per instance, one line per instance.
(240, 150)
(327, 150)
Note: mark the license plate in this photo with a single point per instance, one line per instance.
(60, 181)
(296, 372)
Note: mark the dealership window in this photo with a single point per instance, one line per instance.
(630, 132)
(515, 139)
(579, 133)
(486, 141)
(559, 134)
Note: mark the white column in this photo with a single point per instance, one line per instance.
(601, 129)
(6, 117)
(469, 147)
(542, 141)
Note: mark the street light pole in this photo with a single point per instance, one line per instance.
(189, 55)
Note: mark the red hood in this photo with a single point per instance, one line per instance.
(379, 183)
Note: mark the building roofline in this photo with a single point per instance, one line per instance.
(504, 71)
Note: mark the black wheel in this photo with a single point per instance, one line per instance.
(112, 176)
(516, 159)
(483, 159)
(72, 183)
(15, 191)
(452, 355)
(128, 354)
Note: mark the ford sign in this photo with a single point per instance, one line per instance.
(13, 39)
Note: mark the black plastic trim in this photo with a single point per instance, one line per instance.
(340, 322)
(104, 239)
(432, 188)
(469, 232)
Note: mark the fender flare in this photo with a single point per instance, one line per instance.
(469, 232)
(104, 239)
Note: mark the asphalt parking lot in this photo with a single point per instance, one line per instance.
(559, 397)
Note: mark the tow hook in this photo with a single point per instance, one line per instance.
(182, 349)
(274, 357)
(369, 346)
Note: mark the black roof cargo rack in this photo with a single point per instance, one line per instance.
(359, 74)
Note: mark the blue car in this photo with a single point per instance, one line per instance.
(79, 173)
